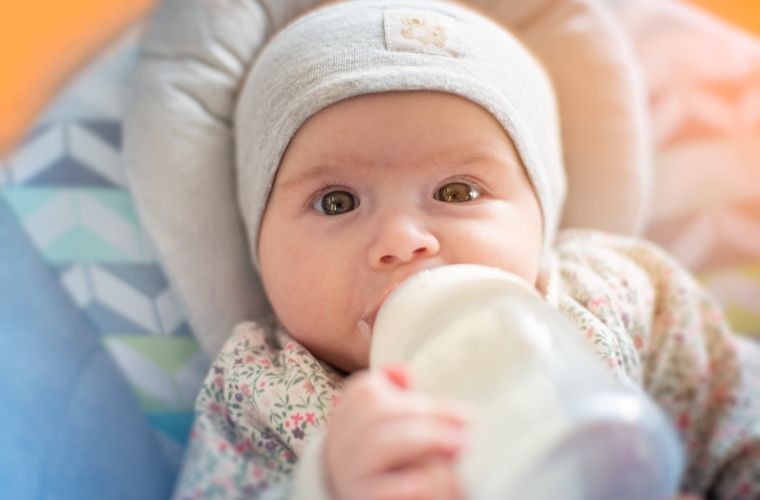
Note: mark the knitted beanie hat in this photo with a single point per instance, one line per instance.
(370, 46)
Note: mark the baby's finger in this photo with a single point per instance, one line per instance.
(372, 397)
(402, 442)
(434, 480)
(414, 404)
(398, 375)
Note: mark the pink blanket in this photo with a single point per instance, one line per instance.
(703, 77)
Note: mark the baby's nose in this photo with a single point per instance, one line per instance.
(400, 240)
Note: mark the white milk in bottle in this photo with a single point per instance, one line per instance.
(551, 422)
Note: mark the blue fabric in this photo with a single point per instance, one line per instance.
(70, 426)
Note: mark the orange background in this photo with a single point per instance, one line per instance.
(43, 42)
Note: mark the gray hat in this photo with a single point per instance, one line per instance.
(369, 46)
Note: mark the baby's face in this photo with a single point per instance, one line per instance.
(376, 188)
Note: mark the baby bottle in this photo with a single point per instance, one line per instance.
(550, 420)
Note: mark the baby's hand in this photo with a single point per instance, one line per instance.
(385, 441)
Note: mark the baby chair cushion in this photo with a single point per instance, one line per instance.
(65, 186)
(180, 152)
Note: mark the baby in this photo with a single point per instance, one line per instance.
(380, 138)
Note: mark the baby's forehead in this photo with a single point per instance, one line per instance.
(369, 166)
(414, 129)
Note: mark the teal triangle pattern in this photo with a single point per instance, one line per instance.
(79, 244)
(118, 201)
(81, 225)
(24, 201)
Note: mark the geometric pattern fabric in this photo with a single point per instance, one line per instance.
(66, 186)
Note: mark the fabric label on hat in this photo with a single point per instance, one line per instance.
(421, 31)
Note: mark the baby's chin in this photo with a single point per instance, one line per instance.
(359, 361)
(348, 367)
(353, 357)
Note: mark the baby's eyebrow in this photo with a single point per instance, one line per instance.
(320, 171)
(451, 158)
(462, 157)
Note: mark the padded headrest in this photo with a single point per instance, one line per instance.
(180, 151)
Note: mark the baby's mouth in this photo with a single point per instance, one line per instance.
(366, 323)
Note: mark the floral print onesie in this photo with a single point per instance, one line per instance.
(266, 397)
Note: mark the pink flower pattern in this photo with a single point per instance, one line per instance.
(274, 400)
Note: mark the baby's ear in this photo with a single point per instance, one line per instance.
(602, 103)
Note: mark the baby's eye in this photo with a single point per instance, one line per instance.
(335, 203)
(457, 192)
